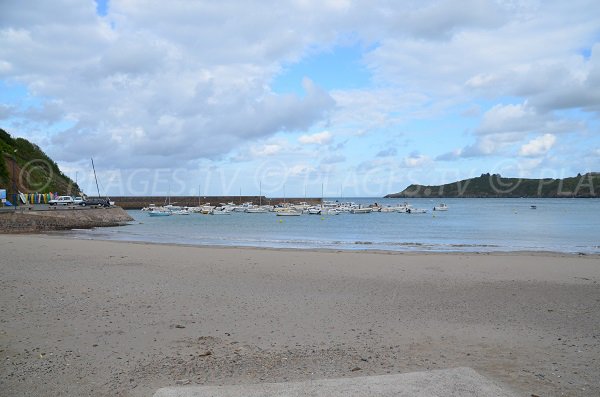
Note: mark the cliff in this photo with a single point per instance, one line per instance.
(25, 164)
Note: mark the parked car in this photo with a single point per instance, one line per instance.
(78, 200)
(96, 201)
(61, 200)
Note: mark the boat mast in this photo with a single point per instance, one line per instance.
(259, 193)
(96, 178)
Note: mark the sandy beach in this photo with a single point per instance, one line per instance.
(101, 318)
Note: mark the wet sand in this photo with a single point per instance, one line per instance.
(109, 318)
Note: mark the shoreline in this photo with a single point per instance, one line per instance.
(65, 234)
(100, 318)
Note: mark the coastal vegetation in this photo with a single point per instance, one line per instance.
(496, 186)
(33, 170)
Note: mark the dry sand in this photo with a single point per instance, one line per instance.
(107, 318)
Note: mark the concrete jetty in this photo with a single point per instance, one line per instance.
(24, 220)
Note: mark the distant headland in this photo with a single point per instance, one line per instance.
(495, 186)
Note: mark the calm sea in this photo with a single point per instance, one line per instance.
(561, 225)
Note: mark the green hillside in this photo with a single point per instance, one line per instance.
(494, 185)
(34, 170)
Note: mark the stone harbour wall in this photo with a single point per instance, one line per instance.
(31, 221)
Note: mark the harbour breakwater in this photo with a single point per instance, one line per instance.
(32, 221)
(139, 202)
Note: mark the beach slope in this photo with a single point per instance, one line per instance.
(81, 317)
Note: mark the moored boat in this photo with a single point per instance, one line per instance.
(288, 213)
(256, 210)
(366, 210)
(160, 212)
(221, 211)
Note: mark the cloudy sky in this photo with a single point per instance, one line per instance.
(361, 97)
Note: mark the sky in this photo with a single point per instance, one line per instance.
(300, 97)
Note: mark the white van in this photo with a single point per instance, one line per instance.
(61, 200)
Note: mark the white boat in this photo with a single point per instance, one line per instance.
(160, 212)
(441, 207)
(330, 211)
(314, 211)
(256, 210)
(222, 211)
(207, 209)
(288, 213)
(416, 211)
(243, 207)
(366, 210)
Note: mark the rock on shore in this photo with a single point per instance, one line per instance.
(85, 218)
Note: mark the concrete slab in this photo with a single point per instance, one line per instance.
(459, 382)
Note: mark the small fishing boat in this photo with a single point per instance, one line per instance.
(441, 207)
(207, 209)
(160, 212)
(256, 210)
(288, 213)
(222, 211)
(366, 210)
(416, 211)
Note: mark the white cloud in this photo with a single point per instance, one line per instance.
(484, 145)
(416, 160)
(538, 146)
(148, 62)
(157, 83)
(504, 126)
(450, 156)
(320, 138)
(443, 18)
(266, 150)
(300, 170)
(509, 118)
(523, 118)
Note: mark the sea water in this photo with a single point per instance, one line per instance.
(470, 225)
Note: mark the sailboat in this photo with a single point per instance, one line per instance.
(260, 209)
